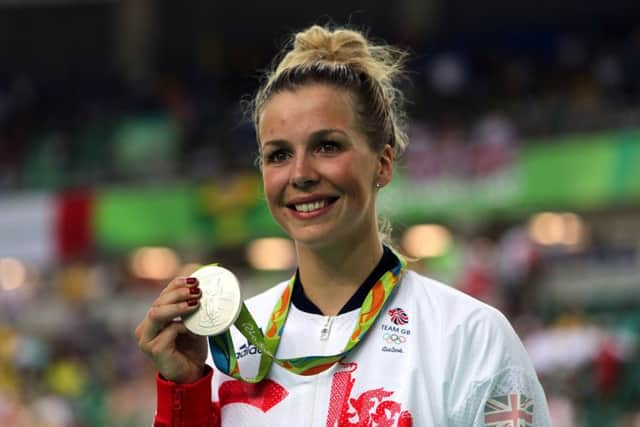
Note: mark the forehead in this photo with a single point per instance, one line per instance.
(297, 112)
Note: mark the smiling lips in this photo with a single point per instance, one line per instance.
(312, 206)
(308, 207)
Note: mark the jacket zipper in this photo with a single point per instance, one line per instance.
(177, 406)
(325, 333)
(326, 328)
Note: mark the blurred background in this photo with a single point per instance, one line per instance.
(125, 160)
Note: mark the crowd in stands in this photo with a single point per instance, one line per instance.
(462, 101)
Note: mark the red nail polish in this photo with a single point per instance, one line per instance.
(192, 302)
(194, 290)
(191, 280)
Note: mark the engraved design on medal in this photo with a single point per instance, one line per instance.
(220, 302)
(208, 301)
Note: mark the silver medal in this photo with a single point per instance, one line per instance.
(220, 302)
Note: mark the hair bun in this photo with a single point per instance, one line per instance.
(319, 44)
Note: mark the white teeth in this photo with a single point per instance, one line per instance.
(308, 207)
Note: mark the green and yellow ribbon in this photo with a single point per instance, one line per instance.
(223, 350)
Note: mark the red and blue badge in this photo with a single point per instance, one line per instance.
(398, 316)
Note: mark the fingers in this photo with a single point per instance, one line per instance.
(160, 318)
(179, 298)
(177, 354)
(166, 338)
(180, 282)
(177, 295)
(176, 362)
(160, 315)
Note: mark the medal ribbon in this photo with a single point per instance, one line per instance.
(223, 350)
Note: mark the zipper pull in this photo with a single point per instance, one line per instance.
(177, 399)
(178, 396)
(326, 328)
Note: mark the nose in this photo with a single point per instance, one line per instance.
(303, 174)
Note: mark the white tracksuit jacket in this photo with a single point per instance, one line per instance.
(441, 359)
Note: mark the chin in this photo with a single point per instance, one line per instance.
(312, 236)
(323, 238)
(313, 240)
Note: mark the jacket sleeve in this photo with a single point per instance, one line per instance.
(186, 405)
(494, 381)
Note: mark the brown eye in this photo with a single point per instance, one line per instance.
(329, 147)
(278, 156)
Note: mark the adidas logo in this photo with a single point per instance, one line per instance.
(246, 349)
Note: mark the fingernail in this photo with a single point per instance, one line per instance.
(192, 302)
(194, 290)
(191, 280)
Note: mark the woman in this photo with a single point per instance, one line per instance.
(408, 350)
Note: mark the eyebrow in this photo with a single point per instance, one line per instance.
(314, 136)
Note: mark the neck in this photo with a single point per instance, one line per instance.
(331, 275)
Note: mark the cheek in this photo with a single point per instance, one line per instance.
(274, 183)
(354, 175)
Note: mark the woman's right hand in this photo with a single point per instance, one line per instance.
(178, 354)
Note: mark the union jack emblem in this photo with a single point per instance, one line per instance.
(513, 410)
(398, 316)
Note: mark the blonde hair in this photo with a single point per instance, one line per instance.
(345, 59)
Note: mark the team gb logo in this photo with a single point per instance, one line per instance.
(398, 316)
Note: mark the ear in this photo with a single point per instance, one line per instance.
(385, 166)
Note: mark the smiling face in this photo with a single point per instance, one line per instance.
(319, 171)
